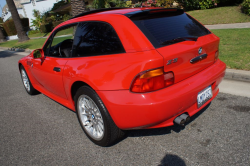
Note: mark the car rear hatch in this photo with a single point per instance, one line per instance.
(187, 46)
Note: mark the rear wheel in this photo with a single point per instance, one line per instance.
(94, 118)
(26, 82)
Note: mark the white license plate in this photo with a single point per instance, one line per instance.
(204, 96)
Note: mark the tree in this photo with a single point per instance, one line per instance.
(22, 36)
(78, 7)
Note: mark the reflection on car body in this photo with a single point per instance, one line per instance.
(124, 69)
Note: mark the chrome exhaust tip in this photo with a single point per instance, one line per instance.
(182, 119)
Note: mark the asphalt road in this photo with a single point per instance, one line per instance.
(36, 130)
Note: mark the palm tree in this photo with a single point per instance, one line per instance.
(78, 6)
(22, 36)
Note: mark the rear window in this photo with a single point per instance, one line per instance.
(163, 27)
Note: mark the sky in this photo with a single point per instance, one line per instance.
(2, 3)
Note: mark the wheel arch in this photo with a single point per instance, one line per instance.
(19, 66)
(75, 86)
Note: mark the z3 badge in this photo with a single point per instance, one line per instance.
(172, 61)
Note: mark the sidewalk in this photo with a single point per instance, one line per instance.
(229, 26)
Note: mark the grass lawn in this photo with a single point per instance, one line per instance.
(39, 35)
(220, 15)
(31, 44)
(234, 47)
(63, 32)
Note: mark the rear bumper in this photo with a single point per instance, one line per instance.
(160, 108)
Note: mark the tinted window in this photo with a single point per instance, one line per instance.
(163, 27)
(60, 43)
(96, 38)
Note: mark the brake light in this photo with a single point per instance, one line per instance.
(152, 80)
(216, 56)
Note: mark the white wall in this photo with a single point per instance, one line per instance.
(42, 6)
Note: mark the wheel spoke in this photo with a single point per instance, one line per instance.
(25, 80)
(91, 117)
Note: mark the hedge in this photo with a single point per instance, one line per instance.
(57, 23)
(10, 28)
(46, 28)
(245, 7)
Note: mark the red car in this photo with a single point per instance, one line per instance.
(123, 69)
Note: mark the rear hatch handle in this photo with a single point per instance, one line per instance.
(198, 58)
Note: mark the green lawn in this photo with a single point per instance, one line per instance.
(31, 44)
(220, 15)
(63, 32)
(234, 47)
(39, 35)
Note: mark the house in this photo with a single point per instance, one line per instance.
(25, 8)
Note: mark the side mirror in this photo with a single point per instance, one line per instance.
(38, 54)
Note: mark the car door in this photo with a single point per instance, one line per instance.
(57, 50)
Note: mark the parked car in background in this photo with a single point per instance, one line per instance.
(124, 69)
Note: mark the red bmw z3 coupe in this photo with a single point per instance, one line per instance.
(127, 68)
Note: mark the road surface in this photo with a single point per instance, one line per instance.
(36, 130)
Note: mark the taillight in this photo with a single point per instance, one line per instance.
(216, 56)
(152, 80)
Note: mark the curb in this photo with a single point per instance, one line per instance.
(238, 75)
(17, 49)
(231, 74)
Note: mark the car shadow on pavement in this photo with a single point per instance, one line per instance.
(165, 130)
(172, 160)
(6, 54)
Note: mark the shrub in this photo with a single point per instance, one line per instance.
(10, 28)
(46, 28)
(229, 2)
(198, 4)
(245, 7)
(2, 29)
(33, 32)
(56, 23)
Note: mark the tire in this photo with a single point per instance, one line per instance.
(26, 82)
(95, 119)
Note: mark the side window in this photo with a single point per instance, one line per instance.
(60, 45)
(96, 38)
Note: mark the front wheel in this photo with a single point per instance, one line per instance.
(94, 118)
(26, 82)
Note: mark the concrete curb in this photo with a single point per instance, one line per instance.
(238, 75)
(17, 49)
(232, 74)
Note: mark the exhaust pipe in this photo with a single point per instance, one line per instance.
(182, 119)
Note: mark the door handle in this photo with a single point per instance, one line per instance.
(57, 69)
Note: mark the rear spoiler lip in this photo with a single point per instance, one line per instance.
(153, 11)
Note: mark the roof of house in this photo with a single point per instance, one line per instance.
(17, 3)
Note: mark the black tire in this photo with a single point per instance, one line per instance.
(31, 90)
(111, 132)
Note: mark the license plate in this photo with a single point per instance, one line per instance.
(204, 96)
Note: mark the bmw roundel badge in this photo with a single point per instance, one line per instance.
(200, 50)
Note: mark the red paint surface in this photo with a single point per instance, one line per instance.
(111, 75)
